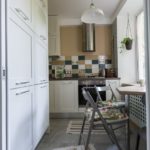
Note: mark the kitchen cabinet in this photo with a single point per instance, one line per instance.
(41, 112)
(51, 96)
(41, 20)
(19, 54)
(19, 123)
(54, 35)
(40, 63)
(65, 96)
(114, 85)
(23, 9)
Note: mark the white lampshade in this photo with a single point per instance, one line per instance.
(92, 15)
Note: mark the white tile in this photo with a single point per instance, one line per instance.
(62, 58)
(102, 57)
(88, 62)
(68, 67)
(95, 69)
(74, 59)
(102, 61)
(81, 66)
(108, 66)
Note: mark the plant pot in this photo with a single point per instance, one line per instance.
(128, 44)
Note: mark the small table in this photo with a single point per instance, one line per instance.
(132, 90)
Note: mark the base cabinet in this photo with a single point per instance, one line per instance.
(40, 112)
(65, 98)
(20, 119)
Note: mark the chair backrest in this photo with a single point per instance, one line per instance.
(87, 96)
(105, 89)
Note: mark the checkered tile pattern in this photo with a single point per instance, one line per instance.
(80, 65)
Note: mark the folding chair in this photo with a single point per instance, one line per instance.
(97, 118)
(112, 101)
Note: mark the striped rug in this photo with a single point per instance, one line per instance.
(74, 127)
(91, 147)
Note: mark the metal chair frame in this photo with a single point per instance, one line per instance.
(107, 126)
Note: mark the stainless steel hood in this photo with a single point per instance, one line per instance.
(88, 37)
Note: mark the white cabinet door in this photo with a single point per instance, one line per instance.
(40, 63)
(20, 119)
(41, 23)
(53, 25)
(19, 53)
(54, 36)
(51, 96)
(66, 96)
(41, 112)
(23, 8)
(114, 85)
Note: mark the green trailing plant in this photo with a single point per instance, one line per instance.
(126, 43)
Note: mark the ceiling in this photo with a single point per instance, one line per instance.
(74, 8)
(132, 7)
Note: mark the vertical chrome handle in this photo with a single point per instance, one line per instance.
(22, 14)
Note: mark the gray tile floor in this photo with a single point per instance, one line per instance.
(58, 138)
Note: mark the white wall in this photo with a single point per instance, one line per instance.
(127, 65)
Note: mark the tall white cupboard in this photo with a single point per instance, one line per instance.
(27, 73)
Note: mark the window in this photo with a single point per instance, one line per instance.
(140, 46)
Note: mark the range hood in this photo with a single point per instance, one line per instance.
(88, 37)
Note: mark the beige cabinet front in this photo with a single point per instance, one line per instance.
(65, 96)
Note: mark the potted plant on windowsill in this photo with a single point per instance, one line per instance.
(127, 43)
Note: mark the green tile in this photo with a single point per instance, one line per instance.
(68, 62)
(75, 75)
(74, 66)
(81, 57)
(88, 70)
(94, 61)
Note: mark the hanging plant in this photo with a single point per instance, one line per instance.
(128, 40)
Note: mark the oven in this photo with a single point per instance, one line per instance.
(90, 83)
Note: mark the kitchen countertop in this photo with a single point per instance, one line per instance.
(85, 78)
(132, 90)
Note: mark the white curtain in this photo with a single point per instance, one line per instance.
(147, 58)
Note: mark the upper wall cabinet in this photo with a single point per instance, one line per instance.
(41, 20)
(23, 9)
(54, 36)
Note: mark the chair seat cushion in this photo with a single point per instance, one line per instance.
(110, 115)
(111, 103)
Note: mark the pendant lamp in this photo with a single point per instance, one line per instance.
(92, 14)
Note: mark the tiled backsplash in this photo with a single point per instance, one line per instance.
(80, 65)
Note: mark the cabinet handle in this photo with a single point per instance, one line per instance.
(43, 37)
(43, 86)
(43, 80)
(20, 83)
(21, 93)
(21, 13)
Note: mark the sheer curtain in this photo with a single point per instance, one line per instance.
(141, 46)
